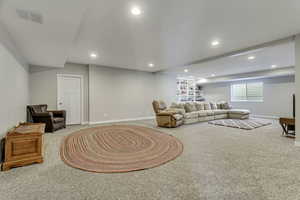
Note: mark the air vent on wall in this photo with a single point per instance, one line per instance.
(30, 15)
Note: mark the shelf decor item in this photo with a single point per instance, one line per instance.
(188, 90)
(23, 145)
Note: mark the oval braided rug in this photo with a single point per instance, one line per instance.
(118, 148)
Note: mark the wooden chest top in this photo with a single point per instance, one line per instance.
(28, 128)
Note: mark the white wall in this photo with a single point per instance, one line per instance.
(277, 96)
(297, 57)
(43, 85)
(166, 88)
(14, 88)
(117, 94)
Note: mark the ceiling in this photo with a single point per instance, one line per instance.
(168, 33)
(272, 57)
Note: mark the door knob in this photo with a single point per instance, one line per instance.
(60, 103)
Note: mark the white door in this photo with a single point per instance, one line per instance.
(69, 95)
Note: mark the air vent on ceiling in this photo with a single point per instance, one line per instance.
(30, 15)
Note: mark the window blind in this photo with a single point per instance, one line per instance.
(247, 92)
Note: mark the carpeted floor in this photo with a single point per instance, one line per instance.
(217, 163)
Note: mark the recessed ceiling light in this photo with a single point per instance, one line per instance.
(251, 57)
(136, 11)
(186, 70)
(93, 55)
(151, 65)
(273, 66)
(213, 75)
(202, 80)
(215, 43)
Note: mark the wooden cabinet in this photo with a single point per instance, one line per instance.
(23, 145)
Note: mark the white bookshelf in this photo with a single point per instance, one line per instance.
(187, 91)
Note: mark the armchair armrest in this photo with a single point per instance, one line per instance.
(58, 113)
(42, 115)
(166, 113)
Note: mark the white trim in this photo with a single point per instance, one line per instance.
(297, 143)
(84, 123)
(81, 91)
(265, 116)
(246, 101)
(122, 120)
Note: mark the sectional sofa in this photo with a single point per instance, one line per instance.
(187, 113)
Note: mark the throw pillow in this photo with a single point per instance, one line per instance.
(207, 106)
(213, 106)
(226, 106)
(174, 105)
(199, 106)
(190, 107)
(219, 106)
(177, 105)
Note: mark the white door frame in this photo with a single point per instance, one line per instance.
(81, 92)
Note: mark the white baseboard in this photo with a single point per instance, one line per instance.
(297, 143)
(122, 120)
(265, 116)
(84, 123)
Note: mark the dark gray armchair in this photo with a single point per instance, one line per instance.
(54, 119)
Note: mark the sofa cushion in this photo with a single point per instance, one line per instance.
(220, 112)
(209, 112)
(207, 106)
(191, 115)
(202, 113)
(189, 107)
(239, 111)
(176, 110)
(213, 106)
(226, 106)
(199, 106)
(177, 105)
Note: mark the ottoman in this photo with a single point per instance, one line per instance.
(238, 114)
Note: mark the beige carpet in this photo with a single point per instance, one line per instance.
(217, 163)
(246, 124)
(119, 148)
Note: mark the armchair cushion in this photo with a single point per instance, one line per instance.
(58, 119)
(178, 116)
(158, 106)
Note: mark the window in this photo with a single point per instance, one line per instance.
(247, 92)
